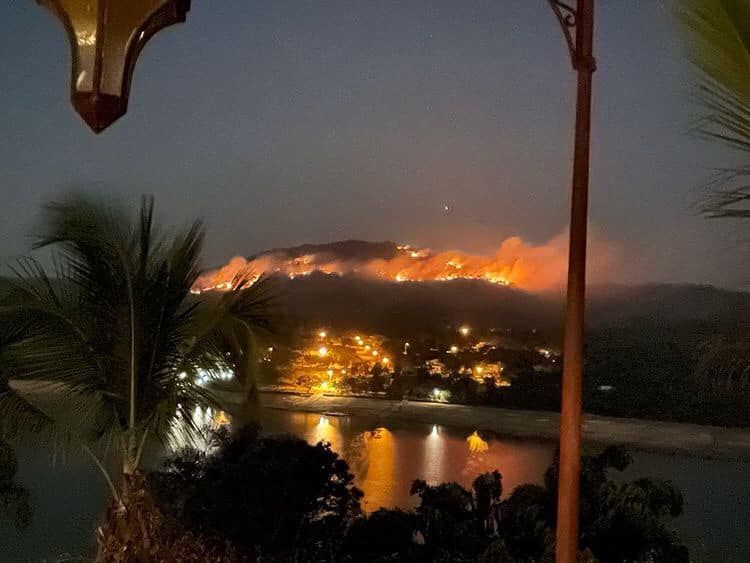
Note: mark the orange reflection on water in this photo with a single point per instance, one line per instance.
(377, 478)
(476, 443)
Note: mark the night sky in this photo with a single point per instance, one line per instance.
(283, 122)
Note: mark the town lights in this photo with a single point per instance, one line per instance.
(106, 37)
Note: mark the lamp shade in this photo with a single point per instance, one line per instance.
(106, 37)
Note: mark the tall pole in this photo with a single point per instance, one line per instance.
(570, 418)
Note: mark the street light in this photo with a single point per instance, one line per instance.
(106, 37)
(578, 28)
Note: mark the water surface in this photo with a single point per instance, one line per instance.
(385, 458)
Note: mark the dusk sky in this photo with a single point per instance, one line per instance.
(284, 122)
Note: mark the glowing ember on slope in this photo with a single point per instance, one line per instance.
(517, 263)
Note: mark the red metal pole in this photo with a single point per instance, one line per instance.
(570, 418)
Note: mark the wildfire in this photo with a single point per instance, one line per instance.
(517, 263)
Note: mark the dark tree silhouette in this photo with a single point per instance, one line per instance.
(383, 533)
(264, 495)
(620, 521)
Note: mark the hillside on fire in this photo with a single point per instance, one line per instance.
(391, 287)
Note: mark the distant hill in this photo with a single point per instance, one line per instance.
(669, 303)
(408, 306)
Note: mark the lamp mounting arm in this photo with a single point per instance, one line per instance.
(569, 20)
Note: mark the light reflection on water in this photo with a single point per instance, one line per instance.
(385, 461)
(326, 431)
(378, 468)
(434, 455)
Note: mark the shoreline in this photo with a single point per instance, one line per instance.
(713, 442)
(644, 435)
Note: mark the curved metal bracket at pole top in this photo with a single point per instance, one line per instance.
(568, 18)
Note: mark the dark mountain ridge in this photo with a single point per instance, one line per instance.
(408, 306)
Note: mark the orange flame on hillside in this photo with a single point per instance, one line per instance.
(518, 263)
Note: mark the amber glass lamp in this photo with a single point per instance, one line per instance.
(106, 37)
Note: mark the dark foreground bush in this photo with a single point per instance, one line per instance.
(384, 532)
(264, 495)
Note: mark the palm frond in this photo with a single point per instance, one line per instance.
(53, 413)
(727, 194)
(19, 418)
(718, 45)
(717, 36)
(51, 342)
(238, 323)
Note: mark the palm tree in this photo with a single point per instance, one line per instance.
(106, 350)
(717, 36)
